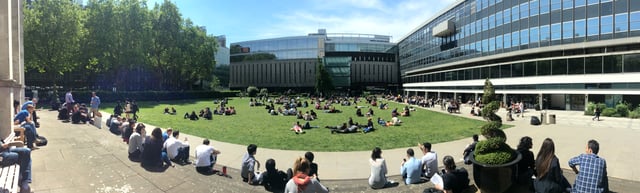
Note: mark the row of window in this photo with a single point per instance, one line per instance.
(570, 66)
(542, 86)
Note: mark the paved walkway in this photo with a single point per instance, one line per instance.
(81, 158)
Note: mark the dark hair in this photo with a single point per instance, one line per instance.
(410, 152)
(525, 143)
(376, 153)
(156, 134)
(594, 146)
(427, 145)
(205, 141)
(176, 133)
(545, 155)
(270, 165)
(309, 156)
(475, 137)
(449, 163)
(252, 148)
(139, 128)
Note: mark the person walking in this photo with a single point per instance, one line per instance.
(597, 114)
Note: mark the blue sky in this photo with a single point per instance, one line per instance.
(243, 20)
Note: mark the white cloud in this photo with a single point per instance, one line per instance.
(396, 18)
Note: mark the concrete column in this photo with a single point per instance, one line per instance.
(455, 96)
(504, 99)
(540, 101)
(586, 101)
(475, 97)
(438, 94)
(426, 95)
(11, 64)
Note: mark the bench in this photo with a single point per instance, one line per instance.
(10, 175)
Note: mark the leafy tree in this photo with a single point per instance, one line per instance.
(324, 84)
(252, 91)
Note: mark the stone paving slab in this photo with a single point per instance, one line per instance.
(82, 158)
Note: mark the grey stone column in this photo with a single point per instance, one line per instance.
(11, 66)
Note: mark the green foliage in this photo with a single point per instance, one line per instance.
(121, 43)
(324, 84)
(610, 112)
(264, 92)
(494, 149)
(252, 91)
(635, 113)
(591, 108)
(253, 124)
(108, 96)
(622, 110)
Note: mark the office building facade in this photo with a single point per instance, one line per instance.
(353, 61)
(558, 54)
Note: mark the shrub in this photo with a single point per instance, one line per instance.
(591, 108)
(610, 112)
(493, 150)
(622, 109)
(264, 92)
(252, 91)
(635, 113)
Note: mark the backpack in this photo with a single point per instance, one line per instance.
(535, 120)
(41, 141)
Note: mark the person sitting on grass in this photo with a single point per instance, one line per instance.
(405, 112)
(307, 116)
(186, 116)
(166, 110)
(193, 116)
(302, 181)
(369, 127)
(201, 113)
(313, 114)
(208, 115)
(273, 179)
(297, 128)
(299, 115)
(370, 112)
(173, 111)
(395, 121)
(206, 157)
(359, 113)
(332, 109)
(307, 125)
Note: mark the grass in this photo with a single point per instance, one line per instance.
(254, 125)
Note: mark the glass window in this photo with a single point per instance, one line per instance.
(492, 44)
(507, 16)
(516, 70)
(544, 33)
(544, 67)
(567, 4)
(632, 63)
(524, 10)
(579, 3)
(593, 65)
(556, 5)
(485, 24)
(621, 6)
(544, 6)
(634, 6)
(485, 45)
(492, 21)
(567, 30)
(515, 13)
(507, 40)
(534, 35)
(593, 26)
(505, 71)
(606, 24)
(524, 36)
(622, 20)
(634, 21)
(592, 2)
(559, 66)
(556, 31)
(529, 68)
(495, 71)
(534, 7)
(576, 65)
(498, 18)
(515, 39)
(606, 8)
(485, 72)
(499, 42)
(612, 64)
(580, 28)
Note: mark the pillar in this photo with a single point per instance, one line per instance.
(439, 95)
(540, 101)
(11, 64)
(586, 101)
(504, 99)
(475, 97)
(426, 95)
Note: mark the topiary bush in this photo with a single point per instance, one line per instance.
(609, 112)
(494, 150)
(622, 109)
(252, 91)
(635, 113)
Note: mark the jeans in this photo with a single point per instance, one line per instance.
(183, 154)
(165, 158)
(30, 133)
(19, 155)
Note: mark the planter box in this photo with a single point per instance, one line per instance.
(495, 178)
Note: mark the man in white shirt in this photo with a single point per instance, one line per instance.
(177, 151)
(429, 160)
(206, 157)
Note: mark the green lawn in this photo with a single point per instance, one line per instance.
(254, 125)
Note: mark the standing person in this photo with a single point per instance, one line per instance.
(527, 165)
(521, 106)
(454, 180)
(597, 114)
(410, 169)
(68, 100)
(134, 109)
(177, 151)
(378, 177)
(550, 178)
(250, 166)
(95, 104)
(206, 157)
(301, 181)
(429, 161)
(592, 176)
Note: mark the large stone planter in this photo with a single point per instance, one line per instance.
(495, 178)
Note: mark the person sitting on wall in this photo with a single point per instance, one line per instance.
(193, 116)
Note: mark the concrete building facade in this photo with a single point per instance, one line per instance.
(11, 62)
(558, 54)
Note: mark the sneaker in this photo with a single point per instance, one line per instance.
(187, 162)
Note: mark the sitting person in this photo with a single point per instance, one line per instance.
(201, 113)
(193, 116)
(173, 111)
(21, 156)
(378, 177)
(359, 113)
(166, 110)
(370, 113)
(299, 115)
(297, 128)
(313, 114)
(186, 116)
(250, 166)
(307, 125)
(128, 129)
(152, 154)
(135, 142)
(369, 127)
(177, 151)
(24, 119)
(302, 181)
(273, 179)
(307, 116)
(206, 157)
(207, 114)
(339, 127)
(405, 112)
(80, 115)
(313, 171)
(410, 169)
(116, 125)
(454, 180)
(395, 121)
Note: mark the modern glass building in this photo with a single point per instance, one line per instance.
(558, 53)
(352, 60)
